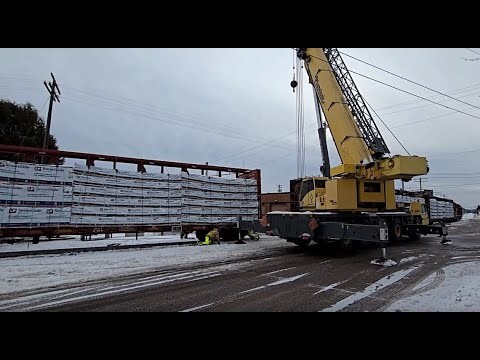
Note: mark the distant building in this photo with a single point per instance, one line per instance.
(277, 201)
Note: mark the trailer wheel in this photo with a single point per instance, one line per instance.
(347, 245)
(301, 243)
(320, 242)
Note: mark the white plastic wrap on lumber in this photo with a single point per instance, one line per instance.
(218, 195)
(35, 172)
(125, 182)
(126, 192)
(34, 192)
(124, 210)
(109, 200)
(124, 220)
(34, 215)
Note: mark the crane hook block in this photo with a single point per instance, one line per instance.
(294, 84)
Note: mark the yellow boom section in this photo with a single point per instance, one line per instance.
(348, 139)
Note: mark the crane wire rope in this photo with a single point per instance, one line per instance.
(300, 120)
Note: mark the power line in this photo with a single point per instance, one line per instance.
(455, 173)
(116, 102)
(130, 107)
(386, 126)
(33, 124)
(411, 81)
(43, 106)
(150, 109)
(410, 93)
(411, 102)
(453, 176)
(256, 147)
(191, 125)
(455, 185)
(420, 181)
(422, 106)
(119, 105)
(188, 122)
(423, 120)
(473, 51)
(405, 91)
(171, 120)
(456, 153)
(132, 101)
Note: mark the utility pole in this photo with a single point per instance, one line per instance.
(420, 181)
(279, 188)
(51, 88)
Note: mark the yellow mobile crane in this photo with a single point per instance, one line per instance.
(356, 199)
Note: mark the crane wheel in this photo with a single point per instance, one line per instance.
(347, 245)
(301, 243)
(396, 230)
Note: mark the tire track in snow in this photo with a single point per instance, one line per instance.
(248, 292)
(45, 300)
(369, 290)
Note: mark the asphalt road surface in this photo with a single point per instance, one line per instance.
(287, 279)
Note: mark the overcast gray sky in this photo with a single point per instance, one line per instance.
(222, 105)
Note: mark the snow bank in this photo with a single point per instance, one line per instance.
(459, 291)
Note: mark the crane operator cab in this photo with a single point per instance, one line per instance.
(418, 208)
(312, 193)
(335, 194)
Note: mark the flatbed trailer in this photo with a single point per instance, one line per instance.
(229, 230)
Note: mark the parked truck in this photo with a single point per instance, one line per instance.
(49, 199)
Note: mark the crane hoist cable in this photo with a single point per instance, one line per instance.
(300, 119)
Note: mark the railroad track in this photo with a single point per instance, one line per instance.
(91, 249)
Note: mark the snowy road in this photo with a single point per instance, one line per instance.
(268, 275)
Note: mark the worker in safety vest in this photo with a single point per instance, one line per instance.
(252, 235)
(212, 236)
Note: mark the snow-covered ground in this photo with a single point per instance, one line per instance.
(454, 288)
(97, 241)
(459, 291)
(370, 290)
(34, 272)
(466, 218)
